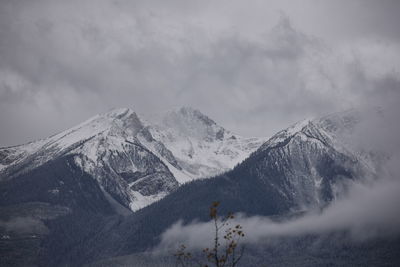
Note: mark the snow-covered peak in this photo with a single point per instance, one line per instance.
(339, 125)
(116, 122)
(189, 122)
(117, 125)
(287, 133)
(200, 146)
(192, 114)
(117, 112)
(342, 131)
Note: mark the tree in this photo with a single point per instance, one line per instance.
(219, 255)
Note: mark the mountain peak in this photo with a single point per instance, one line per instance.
(192, 114)
(287, 133)
(186, 109)
(118, 113)
(190, 117)
(191, 123)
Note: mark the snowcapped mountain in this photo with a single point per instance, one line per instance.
(315, 160)
(134, 161)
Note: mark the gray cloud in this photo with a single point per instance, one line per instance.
(255, 68)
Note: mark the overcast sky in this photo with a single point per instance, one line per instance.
(253, 66)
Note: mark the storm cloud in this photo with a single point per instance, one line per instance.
(253, 67)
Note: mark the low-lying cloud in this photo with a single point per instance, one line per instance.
(368, 211)
(24, 225)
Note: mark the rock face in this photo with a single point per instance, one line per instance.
(134, 161)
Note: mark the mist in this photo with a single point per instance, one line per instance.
(368, 211)
(24, 225)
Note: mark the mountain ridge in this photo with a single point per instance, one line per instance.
(136, 161)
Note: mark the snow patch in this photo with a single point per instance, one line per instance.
(141, 201)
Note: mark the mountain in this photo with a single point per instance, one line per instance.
(134, 161)
(303, 167)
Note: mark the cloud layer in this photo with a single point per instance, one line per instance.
(255, 68)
